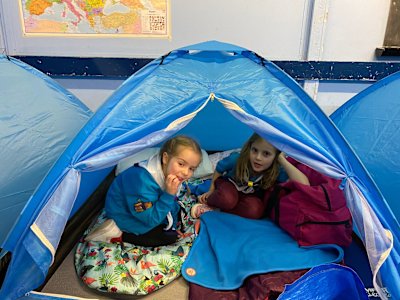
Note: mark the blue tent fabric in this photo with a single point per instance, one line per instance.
(160, 101)
(220, 259)
(328, 282)
(370, 121)
(39, 119)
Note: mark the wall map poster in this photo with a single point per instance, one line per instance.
(136, 18)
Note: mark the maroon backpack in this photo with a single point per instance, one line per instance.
(315, 214)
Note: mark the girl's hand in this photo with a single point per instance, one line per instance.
(282, 158)
(293, 173)
(171, 184)
(203, 198)
(182, 235)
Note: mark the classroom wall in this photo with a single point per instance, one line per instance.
(338, 30)
(301, 30)
(2, 46)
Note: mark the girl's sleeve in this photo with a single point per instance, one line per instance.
(283, 176)
(143, 188)
(228, 163)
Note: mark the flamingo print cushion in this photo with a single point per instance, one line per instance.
(130, 269)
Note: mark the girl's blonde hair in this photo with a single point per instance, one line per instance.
(243, 165)
(171, 145)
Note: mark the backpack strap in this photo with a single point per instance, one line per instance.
(273, 202)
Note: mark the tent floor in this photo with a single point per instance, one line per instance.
(65, 281)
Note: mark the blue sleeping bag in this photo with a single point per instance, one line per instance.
(230, 248)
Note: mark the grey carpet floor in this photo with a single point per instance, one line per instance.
(66, 282)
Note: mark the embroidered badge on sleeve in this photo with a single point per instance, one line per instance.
(141, 206)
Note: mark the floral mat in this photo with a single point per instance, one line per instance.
(125, 268)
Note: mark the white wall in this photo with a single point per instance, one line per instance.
(348, 30)
(2, 39)
(92, 92)
(320, 30)
(278, 30)
(2, 47)
(331, 95)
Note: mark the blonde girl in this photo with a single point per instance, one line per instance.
(241, 180)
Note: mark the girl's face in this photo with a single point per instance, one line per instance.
(181, 165)
(262, 155)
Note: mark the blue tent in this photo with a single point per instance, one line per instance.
(39, 119)
(370, 121)
(227, 91)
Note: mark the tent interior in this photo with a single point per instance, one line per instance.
(224, 136)
(220, 104)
